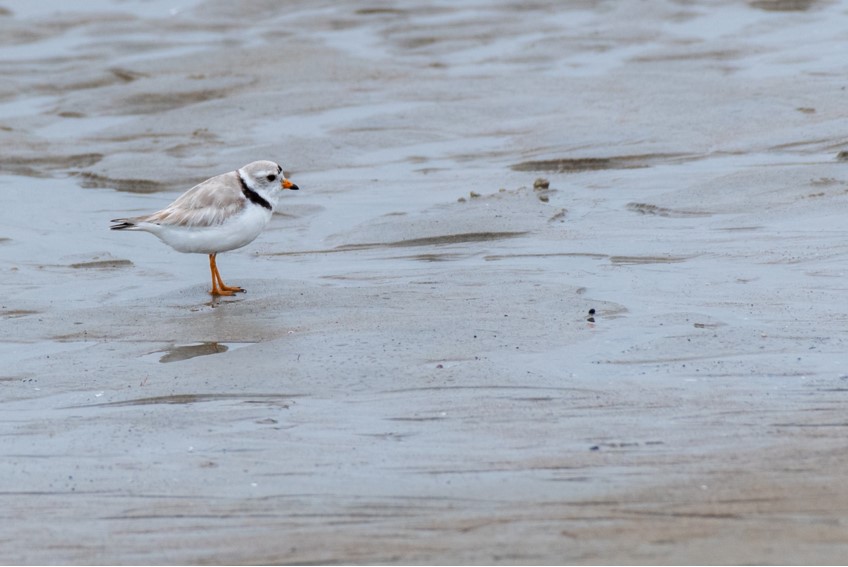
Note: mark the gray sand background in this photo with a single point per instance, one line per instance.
(411, 376)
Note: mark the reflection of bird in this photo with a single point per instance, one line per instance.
(223, 213)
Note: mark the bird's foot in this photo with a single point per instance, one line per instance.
(226, 290)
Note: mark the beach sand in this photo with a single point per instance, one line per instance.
(414, 375)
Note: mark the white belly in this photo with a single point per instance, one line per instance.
(238, 231)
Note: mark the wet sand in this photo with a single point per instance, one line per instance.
(413, 375)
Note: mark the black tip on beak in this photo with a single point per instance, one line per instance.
(294, 187)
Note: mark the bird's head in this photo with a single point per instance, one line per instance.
(266, 178)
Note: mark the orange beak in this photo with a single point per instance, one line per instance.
(288, 185)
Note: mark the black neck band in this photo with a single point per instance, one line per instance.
(252, 195)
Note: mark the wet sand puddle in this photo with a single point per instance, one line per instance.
(186, 399)
(572, 165)
(436, 241)
(179, 353)
(646, 209)
(648, 259)
(102, 265)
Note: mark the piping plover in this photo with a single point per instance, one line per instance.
(223, 213)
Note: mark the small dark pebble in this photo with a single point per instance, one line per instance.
(842, 156)
(541, 183)
(594, 448)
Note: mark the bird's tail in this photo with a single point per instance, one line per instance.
(122, 224)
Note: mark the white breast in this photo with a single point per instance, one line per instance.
(239, 230)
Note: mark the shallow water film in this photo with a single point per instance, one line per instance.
(564, 283)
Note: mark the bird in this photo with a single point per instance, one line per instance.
(223, 213)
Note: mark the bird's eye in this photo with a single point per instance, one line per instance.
(272, 177)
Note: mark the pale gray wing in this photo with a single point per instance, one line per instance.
(207, 204)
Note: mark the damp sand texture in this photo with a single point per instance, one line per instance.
(564, 284)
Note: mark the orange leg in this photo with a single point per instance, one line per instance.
(218, 286)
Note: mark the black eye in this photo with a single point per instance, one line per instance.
(272, 177)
